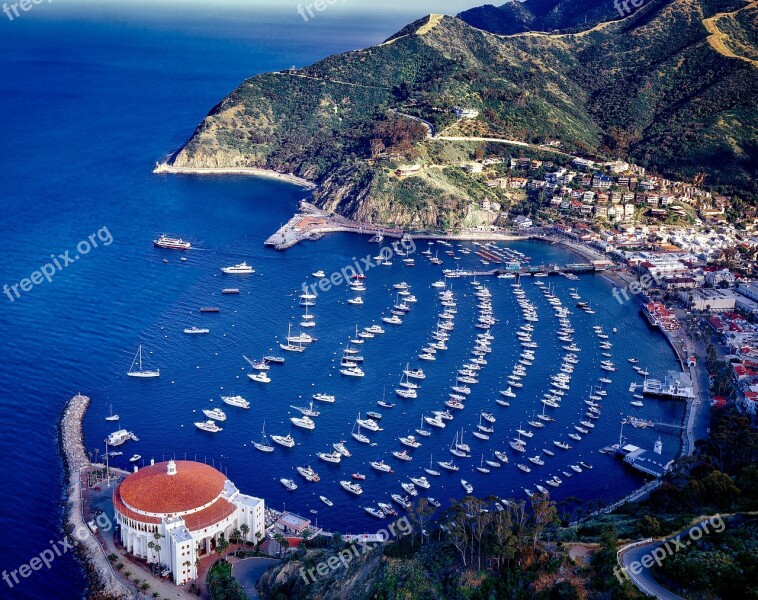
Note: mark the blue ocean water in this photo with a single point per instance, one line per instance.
(91, 98)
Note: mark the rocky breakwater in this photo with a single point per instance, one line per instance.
(103, 584)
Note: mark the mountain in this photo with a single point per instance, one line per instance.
(541, 15)
(671, 87)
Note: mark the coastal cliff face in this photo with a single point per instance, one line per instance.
(656, 88)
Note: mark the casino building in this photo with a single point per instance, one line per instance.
(183, 508)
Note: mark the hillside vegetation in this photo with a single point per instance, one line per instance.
(652, 88)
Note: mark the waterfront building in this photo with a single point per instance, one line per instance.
(184, 508)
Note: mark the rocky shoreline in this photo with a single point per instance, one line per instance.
(102, 583)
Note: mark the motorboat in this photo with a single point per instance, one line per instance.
(353, 488)
(237, 401)
(284, 440)
(288, 483)
(241, 269)
(309, 474)
(209, 426)
(196, 330)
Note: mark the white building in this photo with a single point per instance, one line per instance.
(709, 299)
(749, 290)
(184, 508)
(716, 277)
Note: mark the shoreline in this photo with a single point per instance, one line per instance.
(102, 582)
(166, 169)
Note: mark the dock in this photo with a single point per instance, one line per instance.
(676, 386)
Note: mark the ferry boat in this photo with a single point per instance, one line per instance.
(216, 414)
(353, 488)
(196, 330)
(170, 243)
(237, 401)
(241, 269)
(140, 372)
(208, 425)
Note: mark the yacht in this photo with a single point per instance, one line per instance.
(402, 455)
(358, 436)
(284, 440)
(467, 486)
(196, 330)
(381, 466)
(303, 422)
(144, 373)
(331, 457)
(353, 372)
(263, 445)
(309, 474)
(342, 449)
(353, 488)
(324, 398)
(501, 456)
(216, 414)
(374, 512)
(260, 377)
(111, 416)
(319, 274)
(448, 465)
(326, 500)
(289, 484)
(170, 243)
(401, 501)
(536, 460)
(409, 488)
(237, 401)
(241, 269)
(410, 441)
(393, 320)
(524, 468)
(208, 425)
(289, 346)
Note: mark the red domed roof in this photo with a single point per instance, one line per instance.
(152, 489)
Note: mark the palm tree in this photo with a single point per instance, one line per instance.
(145, 586)
(258, 540)
(221, 546)
(245, 529)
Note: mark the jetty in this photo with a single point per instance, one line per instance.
(100, 573)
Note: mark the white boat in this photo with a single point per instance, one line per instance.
(237, 401)
(263, 445)
(429, 470)
(303, 422)
(357, 300)
(326, 500)
(353, 372)
(289, 346)
(393, 320)
(216, 414)
(319, 274)
(358, 436)
(381, 466)
(448, 465)
(636, 403)
(330, 457)
(196, 330)
(289, 484)
(171, 243)
(135, 458)
(111, 416)
(241, 269)
(140, 372)
(421, 482)
(342, 449)
(208, 425)
(117, 438)
(308, 473)
(353, 488)
(284, 440)
(467, 486)
(324, 398)
(260, 377)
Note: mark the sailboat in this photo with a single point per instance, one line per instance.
(263, 445)
(308, 319)
(289, 346)
(111, 416)
(430, 470)
(141, 372)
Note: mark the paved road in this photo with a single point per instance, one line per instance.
(644, 579)
(249, 570)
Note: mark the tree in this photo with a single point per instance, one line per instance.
(649, 526)
(245, 529)
(258, 540)
(221, 546)
(144, 586)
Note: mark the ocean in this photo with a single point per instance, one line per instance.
(92, 97)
